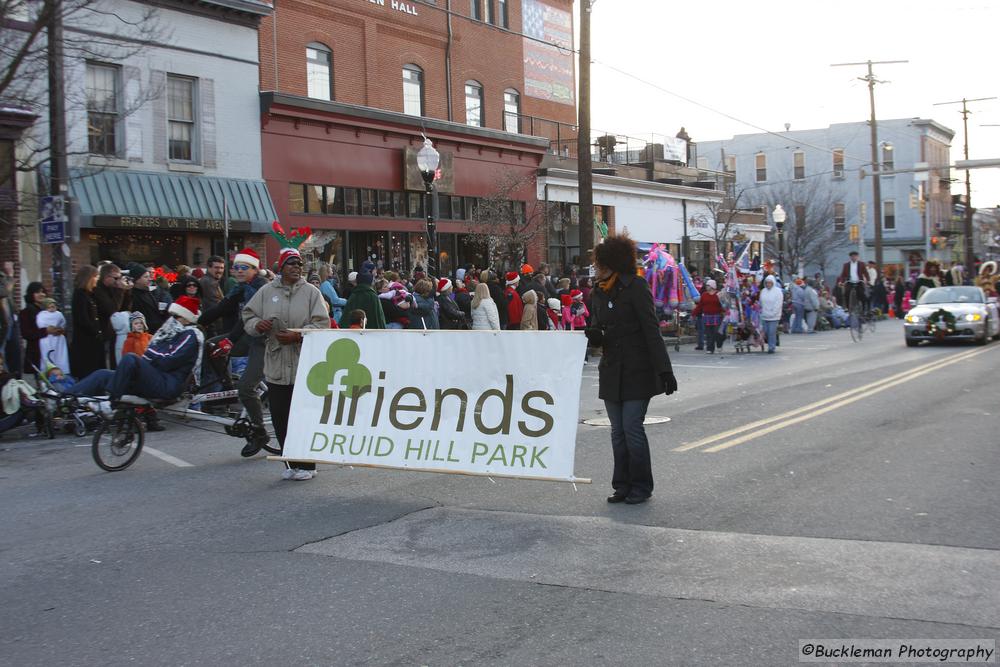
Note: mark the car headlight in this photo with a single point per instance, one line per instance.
(914, 319)
(973, 317)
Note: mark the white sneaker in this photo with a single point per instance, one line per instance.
(287, 473)
(300, 475)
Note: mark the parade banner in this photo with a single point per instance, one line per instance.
(502, 404)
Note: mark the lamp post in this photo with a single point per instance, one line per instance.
(427, 161)
(779, 222)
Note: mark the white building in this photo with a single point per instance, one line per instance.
(163, 126)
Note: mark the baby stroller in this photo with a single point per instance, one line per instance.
(66, 413)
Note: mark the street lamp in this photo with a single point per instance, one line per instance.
(427, 162)
(779, 222)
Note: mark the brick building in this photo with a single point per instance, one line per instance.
(350, 86)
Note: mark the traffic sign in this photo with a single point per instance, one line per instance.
(53, 231)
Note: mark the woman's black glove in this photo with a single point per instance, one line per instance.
(594, 336)
(669, 383)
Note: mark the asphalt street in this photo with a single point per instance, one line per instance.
(831, 490)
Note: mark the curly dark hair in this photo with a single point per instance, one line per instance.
(616, 253)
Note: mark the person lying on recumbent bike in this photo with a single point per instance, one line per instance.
(162, 372)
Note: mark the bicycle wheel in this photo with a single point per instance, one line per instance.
(854, 321)
(118, 441)
(871, 324)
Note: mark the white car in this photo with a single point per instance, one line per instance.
(952, 313)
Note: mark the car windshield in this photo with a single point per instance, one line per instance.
(952, 295)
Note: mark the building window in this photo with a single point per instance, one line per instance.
(838, 162)
(319, 71)
(512, 111)
(730, 166)
(476, 11)
(888, 163)
(474, 104)
(761, 162)
(413, 90)
(103, 109)
(799, 165)
(491, 16)
(181, 121)
(839, 218)
(889, 215)
(504, 15)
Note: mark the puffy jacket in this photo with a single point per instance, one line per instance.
(771, 302)
(298, 306)
(486, 316)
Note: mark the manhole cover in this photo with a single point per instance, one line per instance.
(604, 421)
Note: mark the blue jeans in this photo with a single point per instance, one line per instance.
(134, 375)
(798, 318)
(770, 333)
(633, 474)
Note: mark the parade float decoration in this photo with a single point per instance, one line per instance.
(295, 239)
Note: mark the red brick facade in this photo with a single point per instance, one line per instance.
(372, 42)
(309, 141)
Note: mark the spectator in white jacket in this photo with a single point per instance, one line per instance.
(771, 301)
(484, 310)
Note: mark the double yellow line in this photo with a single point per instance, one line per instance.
(762, 427)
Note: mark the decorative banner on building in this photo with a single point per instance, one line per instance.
(548, 70)
(504, 404)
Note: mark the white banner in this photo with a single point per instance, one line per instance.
(504, 404)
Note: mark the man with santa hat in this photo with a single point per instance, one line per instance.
(162, 372)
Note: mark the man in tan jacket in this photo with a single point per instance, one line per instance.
(286, 303)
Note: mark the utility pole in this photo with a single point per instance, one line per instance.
(584, 168)
(58, 166)
(967, 227)
(876, 163)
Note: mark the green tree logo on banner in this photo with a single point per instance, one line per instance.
(341, 373)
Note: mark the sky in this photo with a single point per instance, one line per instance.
(767, 63)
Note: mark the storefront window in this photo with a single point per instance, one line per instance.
(418, 251)
(456, 209)
(124, 247)
(446, 256)
(398, 247)
(296, 198)
(350, 201)
(443, 207)
(399, 204)
(416, 204)
(385, 204)
(339, 205)
(314, 199)
(369, 202)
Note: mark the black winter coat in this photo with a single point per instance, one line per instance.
(634, 356)
(86, 351)
(146, 303)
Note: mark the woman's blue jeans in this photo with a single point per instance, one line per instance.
(633, 474)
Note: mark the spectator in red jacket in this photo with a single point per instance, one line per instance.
(710, 309)
(515, 306)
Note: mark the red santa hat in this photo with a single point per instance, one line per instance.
(444, 285)
(512, 278)
(286, 254)
(576, 295)
(566, 299)
(247, 256)
(188, 307)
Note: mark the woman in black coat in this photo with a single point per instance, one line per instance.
(634, 364)
(30, 331)
(86, 351)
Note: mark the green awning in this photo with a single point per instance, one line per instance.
(170, 202)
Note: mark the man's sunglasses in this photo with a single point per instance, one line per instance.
(241, 267)
(292, 262)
